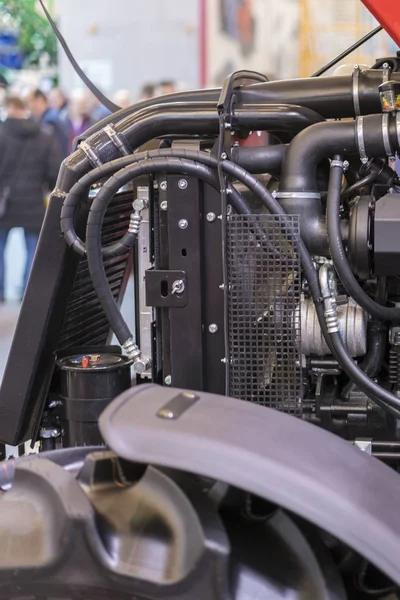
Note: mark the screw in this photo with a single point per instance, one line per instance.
(213, 328)
(222, 286)
(224, 155)
(182, 184)
(163, 186)
(183, 224)
(164, 205)
(385, 65)
(168, 380)
(211, 217)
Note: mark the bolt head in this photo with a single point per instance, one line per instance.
(163, 186)
(224, 155)
(183, 224)
(164, 205)
(385, 65)
(213, 328)
(182, 184)
(139, 204)
(141, 365)
(211, 217)
(168, 380)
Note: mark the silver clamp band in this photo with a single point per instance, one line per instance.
(296, 195)
(90, 153)
(386, 71)
(117, 140)
(360, 139)
(336, 163)
(385, 134)
(356, 95)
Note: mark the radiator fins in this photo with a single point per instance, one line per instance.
(85, 322)
(263, 294)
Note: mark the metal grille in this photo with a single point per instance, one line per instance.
(264, 323)
(85, 322)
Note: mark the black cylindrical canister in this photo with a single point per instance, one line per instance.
(88, 382)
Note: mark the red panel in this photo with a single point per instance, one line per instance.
(387, 12)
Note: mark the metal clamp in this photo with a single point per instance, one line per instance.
(117, 140)
(385, 135)
(91, 154)
(360, 139)
(325, 275)
(356, 90)
(337, 163)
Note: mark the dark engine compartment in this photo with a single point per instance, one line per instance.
(267, 273)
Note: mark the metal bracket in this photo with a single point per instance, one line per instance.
(166, 289)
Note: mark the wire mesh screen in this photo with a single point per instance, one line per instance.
(264, 323)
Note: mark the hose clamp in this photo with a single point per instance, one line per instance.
(297, 195)
(117, 140)
(336, 163)
(360, 139)
(385, 135)
(356, 90)
(91, 154)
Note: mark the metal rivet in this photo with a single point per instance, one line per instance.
(163, 186)
(168, 380)
(164, 205)
(182, 184)
(211, 217)
(183, 224)
(213, 328)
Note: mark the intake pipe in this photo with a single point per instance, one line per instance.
(369, 136)
(174, 119)
(331, 97)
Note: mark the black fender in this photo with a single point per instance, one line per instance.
(294, 464)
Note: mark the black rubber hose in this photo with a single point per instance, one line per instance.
(366, 180)
(260, 159)
(385, 399)
(382, 313)
(99, 206)
(376, 349)
(323, 140)
(80, 189)
(382, 397)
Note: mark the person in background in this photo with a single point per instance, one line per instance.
(122, 98)
(49, 120)
(58, 102)
(167, 87)
(147, 92)
(81, 111)
(98, 111)
(29, 163)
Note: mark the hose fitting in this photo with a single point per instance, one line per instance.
(327, 281)
(140, 363)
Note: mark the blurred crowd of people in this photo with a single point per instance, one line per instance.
(37, 131)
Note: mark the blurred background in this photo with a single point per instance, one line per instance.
(135, 49)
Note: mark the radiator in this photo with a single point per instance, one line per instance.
(264, 285)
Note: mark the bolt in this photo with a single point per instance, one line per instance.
(224, 155)
(224, 360)
(213, 328)
(345, 165)
(385, 65)
(211, 217)
(164, 205)
(163, 186)
(168, 380)
(55, 433)
(228, 126)
(182, 184)
(178, 287)
(183, 224)
(222, 286)
(139, 204)
(141, 365)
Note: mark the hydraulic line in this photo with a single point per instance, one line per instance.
(80, 189)
(385, 399)
(383, 313)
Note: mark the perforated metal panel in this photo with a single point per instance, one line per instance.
(264, 325)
